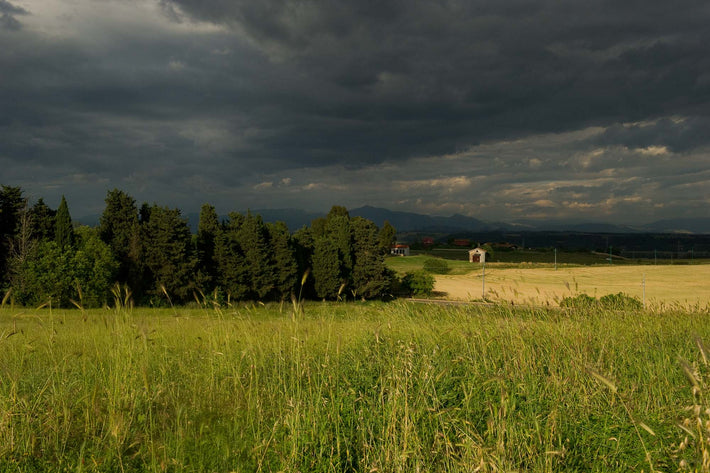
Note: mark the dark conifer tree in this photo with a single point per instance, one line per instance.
(42, 221)
(208, 229)
(253, 240)
(386, 238)
(167, 253)
(63, 228)
(370, 277)
(326, 268)
(11, 204)
(283, 259)
(232, 277)
(144, 213)
(318, 227)
(119, 229)
(303, 244)
(338, 211)
(338, 230)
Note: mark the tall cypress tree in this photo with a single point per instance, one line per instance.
(63, 230)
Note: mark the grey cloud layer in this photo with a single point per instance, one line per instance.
(320, 102)
(401, 79)
(8, 16)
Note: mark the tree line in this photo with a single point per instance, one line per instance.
(150, 252)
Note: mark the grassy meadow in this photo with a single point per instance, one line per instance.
(371, 387)
(525, 256)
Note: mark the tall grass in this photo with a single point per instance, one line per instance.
(346, 387)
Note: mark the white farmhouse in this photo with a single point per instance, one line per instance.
(400, 250)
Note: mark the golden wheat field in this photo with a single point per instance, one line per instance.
(685, 285)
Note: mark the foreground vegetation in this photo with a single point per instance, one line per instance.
(352, 387)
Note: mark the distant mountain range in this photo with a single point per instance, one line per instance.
(414, 222)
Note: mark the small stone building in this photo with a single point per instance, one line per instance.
(477, 255)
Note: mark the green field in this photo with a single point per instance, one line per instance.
(546, 256)
(458, 260)
(369, 387)
(413, 263)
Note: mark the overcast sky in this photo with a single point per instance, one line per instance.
(586, 109)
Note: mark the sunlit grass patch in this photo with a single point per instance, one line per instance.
(345, 387)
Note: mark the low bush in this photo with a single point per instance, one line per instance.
(436, 266)
(418, 283)
(620, 301)
(581, 301)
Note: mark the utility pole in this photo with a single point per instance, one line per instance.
(643, 285)
(483, 284)
(555, 259)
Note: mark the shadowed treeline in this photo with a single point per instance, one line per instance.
(150, 252)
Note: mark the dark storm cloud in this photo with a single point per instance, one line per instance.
(389, 80)
(276, 99)
(8, 12)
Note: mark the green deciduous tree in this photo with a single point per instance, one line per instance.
(47, 276)
(95, 267)
(83, 273)
(418, 283)
(436, 266)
